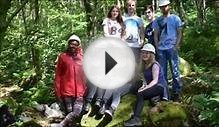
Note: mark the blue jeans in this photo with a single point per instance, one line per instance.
(92, 90)
(171, 56)
(131, 87)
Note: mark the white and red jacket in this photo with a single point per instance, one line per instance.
(69, 75)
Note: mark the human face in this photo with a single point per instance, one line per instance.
(165, 9)
(131, 5)
(145, 55)
(72, 46)
(149, 14)
(114, 13)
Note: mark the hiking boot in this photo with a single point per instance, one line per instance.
(87, 107)
(95, 108)
(102, 109)
(110, 112)
(100, 113)
(133, 122)
(98, 104)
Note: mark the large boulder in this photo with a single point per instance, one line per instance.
(168, 114)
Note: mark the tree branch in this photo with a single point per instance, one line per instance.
(15, 13)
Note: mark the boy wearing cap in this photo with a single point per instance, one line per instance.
(156, 83)
(167, 37)
(70, 80)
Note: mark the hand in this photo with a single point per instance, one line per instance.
(177, 46)
(142, 88)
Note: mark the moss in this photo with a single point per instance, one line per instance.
(122, 113)
(167, 112)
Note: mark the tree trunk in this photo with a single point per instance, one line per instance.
(180, 9)
(5, 20)
(94, 19)
(217, 9)
(36, 3)
(153, 4)
(200, 5)
(34, 50)
(4, 7)
(157, 4)
(88, 10)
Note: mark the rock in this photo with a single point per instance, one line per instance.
(55, 106)
(24, 117)
(168, 114)
(52, 113)
(185, 67)
(38, 107)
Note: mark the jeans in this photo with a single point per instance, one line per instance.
(92, 90)
(149, 93)
(171, 56)
(118, 93)
(107, 95)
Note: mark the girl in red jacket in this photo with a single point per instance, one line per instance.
(70, 80)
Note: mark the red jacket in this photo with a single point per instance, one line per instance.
(69, 76)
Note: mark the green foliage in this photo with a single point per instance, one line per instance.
(9, 101)
(199, 84)
(200, 43)
(42, 93)
(208, 109)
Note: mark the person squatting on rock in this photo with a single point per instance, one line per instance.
(156, 84)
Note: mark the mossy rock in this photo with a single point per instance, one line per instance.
(184, 67)
(168, 114)
(123, 113)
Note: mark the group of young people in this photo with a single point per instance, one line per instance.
(163, 35)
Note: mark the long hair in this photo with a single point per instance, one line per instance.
(118, 18)
(150, 61)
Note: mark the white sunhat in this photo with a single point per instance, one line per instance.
(149, 47)
(74, 37)
(163, 2)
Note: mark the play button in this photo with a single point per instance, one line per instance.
(109, 63)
